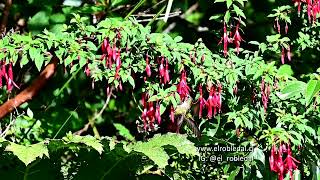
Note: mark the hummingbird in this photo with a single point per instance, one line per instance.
(182, 110)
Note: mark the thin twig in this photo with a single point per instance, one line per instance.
(168, 10)
(151, 15)
(152, 19)
(65, 122)
(154, 6)
(92, 120)
(12, 121)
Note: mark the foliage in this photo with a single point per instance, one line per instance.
(154, 82)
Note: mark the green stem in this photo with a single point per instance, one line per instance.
(135, 8)
(69, 80)
(156, 16)
(65, 122)
(26, 172)
(114, 165)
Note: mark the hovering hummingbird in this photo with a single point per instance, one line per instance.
(182, 111)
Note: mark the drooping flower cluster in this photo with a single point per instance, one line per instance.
(277, 26)
(213, 102)
(313, 8)
(227, 38)
(149, 113)
(280, 166)
(265, 93)
(164, 71)
(183, 88)
(112, 55)
(7, 74)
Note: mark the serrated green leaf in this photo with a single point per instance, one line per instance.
(87, 140)
(123, 131)
(155, 151)
(27, 154)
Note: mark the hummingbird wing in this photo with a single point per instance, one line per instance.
(192, 125)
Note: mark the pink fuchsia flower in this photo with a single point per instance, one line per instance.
(280, 164)
(309, 6)
(272, 158)
(202, 102)
(225, 40)
(182, 87)
(87, 70)
(210, 102)
(9, 78)
(148, 69)
(290, 162)
(166, 77)
(161, 68)
(145, 110)
(237, 38)
(289, 53)
(151, 114)
(286, 28)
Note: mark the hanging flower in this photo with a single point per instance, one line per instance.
(182, 87)
(166, 77)
(289, 53)
(272, 158)
(290, 162)
(225, 40)
(202, 102)
(237, 38)
(148, 69)
(210, 102)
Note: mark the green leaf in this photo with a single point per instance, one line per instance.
(155, 151)
(229, 3)
(123, 131)
(36, 57)
(238, 11)
(273, 38)
(227, 17)
(313, 88)
(87, 140)
(285, 70)
(27, 154)
(131, 81)
(292, 89)
(234, 173)
(216, 1)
